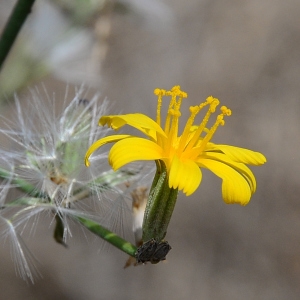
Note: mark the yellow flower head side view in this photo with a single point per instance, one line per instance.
(184, 155)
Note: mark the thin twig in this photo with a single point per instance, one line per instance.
(94, 227)
(13, 26)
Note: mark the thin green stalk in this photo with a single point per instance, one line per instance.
(94, 227)
(21, 183)
(13, 26)
(108, 236)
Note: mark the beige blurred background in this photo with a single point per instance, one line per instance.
(246, 53)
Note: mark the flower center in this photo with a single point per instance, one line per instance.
(191, 135)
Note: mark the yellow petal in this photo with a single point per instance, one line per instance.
(242, 155)
(129, 150)
(184, 175)
(101, 142)
(235, 188)
(138, 121)
(239, 167)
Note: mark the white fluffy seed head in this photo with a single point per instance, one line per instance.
(47, 150)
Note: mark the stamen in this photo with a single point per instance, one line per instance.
(173, 133)
(169, 113)
(225, 111)
(174, 92)
(187, 129)
(173, 113)
(160, 93)
(220, 121)
(177, 92)
(213, 103)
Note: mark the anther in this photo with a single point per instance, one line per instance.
(194, 109)
(226, 111)
(160, 92)
(214, 104)
(220, 120)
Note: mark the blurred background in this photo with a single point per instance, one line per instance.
(247, 54)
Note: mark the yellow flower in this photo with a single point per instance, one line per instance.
(183, 155)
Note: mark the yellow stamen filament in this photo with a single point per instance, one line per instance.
(173, 131)
(160, 93)
(220, 121)
(213, 103)
(188, 139)
(183, 140)
(172, 105)
(173, 114)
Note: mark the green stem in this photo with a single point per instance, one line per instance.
(13, 26)
(94, 227)
(154, 209)
(108, 236)
(21, 183)
(160, 206)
